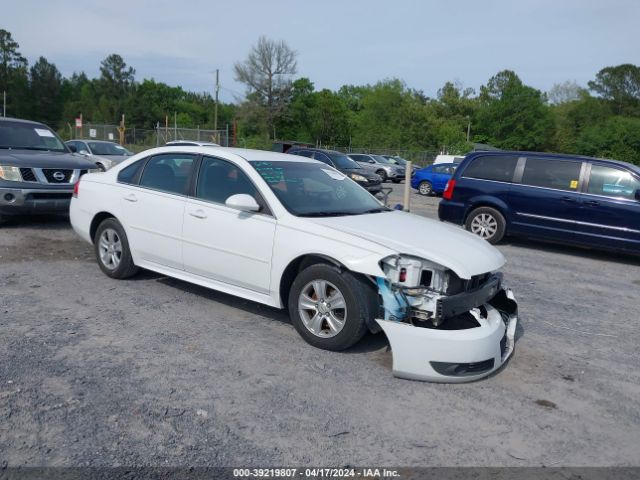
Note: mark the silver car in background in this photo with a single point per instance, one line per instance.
(103, 153)
(384, 167)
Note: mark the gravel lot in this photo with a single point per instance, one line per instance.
(154, 371)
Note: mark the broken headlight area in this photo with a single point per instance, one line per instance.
(442, 327)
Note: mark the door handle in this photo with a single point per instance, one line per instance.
(198, 214)
(592, 203)
(131, 198)
(568, 199)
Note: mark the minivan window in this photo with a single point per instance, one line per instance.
(550, 173)
(498, 168)
(168, 173)
(612, 182)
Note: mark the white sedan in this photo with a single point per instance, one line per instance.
(294, 233)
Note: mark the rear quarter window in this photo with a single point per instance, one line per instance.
(497, 168)
(130, 174)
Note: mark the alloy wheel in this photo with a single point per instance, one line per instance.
(322, 308)
(484, 225)
(110, 248)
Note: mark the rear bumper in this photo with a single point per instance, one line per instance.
(21, 201)
(449, 211)
(455, 356)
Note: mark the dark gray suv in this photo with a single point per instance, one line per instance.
(37, 170)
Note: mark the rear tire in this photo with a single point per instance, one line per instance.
(425, 188)
(330, 308)
(488, 223)
(112, 250)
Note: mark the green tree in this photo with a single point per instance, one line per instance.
(45, 85)
(619, 85)
(13, 76)
(512, 115)
(116, 83)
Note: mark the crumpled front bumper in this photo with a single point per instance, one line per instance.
(455, 356)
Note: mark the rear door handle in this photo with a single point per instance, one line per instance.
(131, 198)
(568, 199)
(198, 214)
(592, 203)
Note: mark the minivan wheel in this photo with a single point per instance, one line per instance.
(487, 223)
(112, 250)
(383, 175)
(330, 308)
(425, 188)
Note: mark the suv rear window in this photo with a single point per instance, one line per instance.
(498, 168)
(549, 173)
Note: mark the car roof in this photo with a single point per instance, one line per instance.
(90, 140)
(559, 156)
(247, 154)
(444, 164)
(315, 149)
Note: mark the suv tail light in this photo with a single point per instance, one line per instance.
(448, 190)
(76, 189)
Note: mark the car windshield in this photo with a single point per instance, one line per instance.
(399, 161)
(342, 161)
(315, 190)
(28, 136)
(106, 148)
(381, 159)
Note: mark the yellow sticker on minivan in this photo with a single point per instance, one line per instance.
(573, 184)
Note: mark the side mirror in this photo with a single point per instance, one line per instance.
(85, 153)
(637, 195)
(242, 202)
(72, 148)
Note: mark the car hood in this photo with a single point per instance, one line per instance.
(450, 246)
(37, 159)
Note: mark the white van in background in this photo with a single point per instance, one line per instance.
(448, 159)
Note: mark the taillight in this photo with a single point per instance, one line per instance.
(448, 190)
(76, 188)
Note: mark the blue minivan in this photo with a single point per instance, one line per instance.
(563, 198)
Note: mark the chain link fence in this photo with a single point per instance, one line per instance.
(418, 157)
(138, 139)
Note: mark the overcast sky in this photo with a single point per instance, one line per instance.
(425, 43)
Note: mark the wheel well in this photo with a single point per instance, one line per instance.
(296, 266)
(97, 220)
(483, 204)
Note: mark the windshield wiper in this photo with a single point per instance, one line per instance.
(376, 210)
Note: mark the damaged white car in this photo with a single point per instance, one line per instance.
(294, 233)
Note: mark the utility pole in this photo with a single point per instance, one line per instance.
(468, 127)
(215, 115)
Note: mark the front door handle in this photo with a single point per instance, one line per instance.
(131, 198)
(568, 199)
(198, 214)
(592, 203)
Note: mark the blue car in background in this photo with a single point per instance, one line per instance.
(561, 198)
(433, 179)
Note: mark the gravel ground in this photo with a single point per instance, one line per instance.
(154, 371)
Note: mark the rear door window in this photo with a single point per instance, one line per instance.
(612, 182)
(497, 168)
(130, 174)
(168, 173)
(552, 173)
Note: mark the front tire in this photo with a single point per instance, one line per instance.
(488, 223)
(425, 188)
(383, 175)
(330, 308)
(112, 250)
